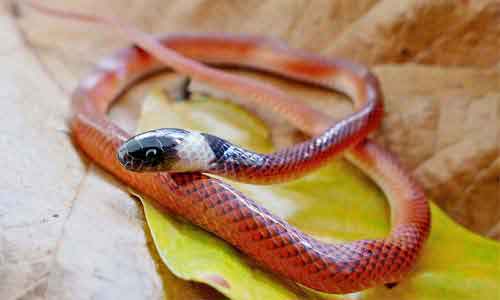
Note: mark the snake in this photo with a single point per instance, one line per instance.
(172, 166)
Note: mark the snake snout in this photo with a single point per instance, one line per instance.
(127, 160)
(122, 155)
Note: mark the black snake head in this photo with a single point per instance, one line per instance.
(153, 151)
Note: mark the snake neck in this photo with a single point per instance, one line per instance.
(233, 162)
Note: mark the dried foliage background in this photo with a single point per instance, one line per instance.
(438, 62)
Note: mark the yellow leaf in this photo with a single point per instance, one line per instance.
(336, 203)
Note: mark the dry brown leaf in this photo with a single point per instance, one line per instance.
(41, 171)
(443, 32)
(445, 125)
(68, 232)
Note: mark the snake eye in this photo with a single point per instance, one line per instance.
(150, 153)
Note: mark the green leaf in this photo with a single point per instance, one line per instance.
(336, 203)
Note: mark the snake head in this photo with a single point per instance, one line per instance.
(152, 151)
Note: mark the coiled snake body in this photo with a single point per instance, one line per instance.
(215, 205)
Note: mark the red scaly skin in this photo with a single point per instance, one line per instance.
(220, 209)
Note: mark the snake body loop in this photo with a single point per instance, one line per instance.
(218, 208)
(222, 210)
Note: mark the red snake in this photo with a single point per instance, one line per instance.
(227, 213)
